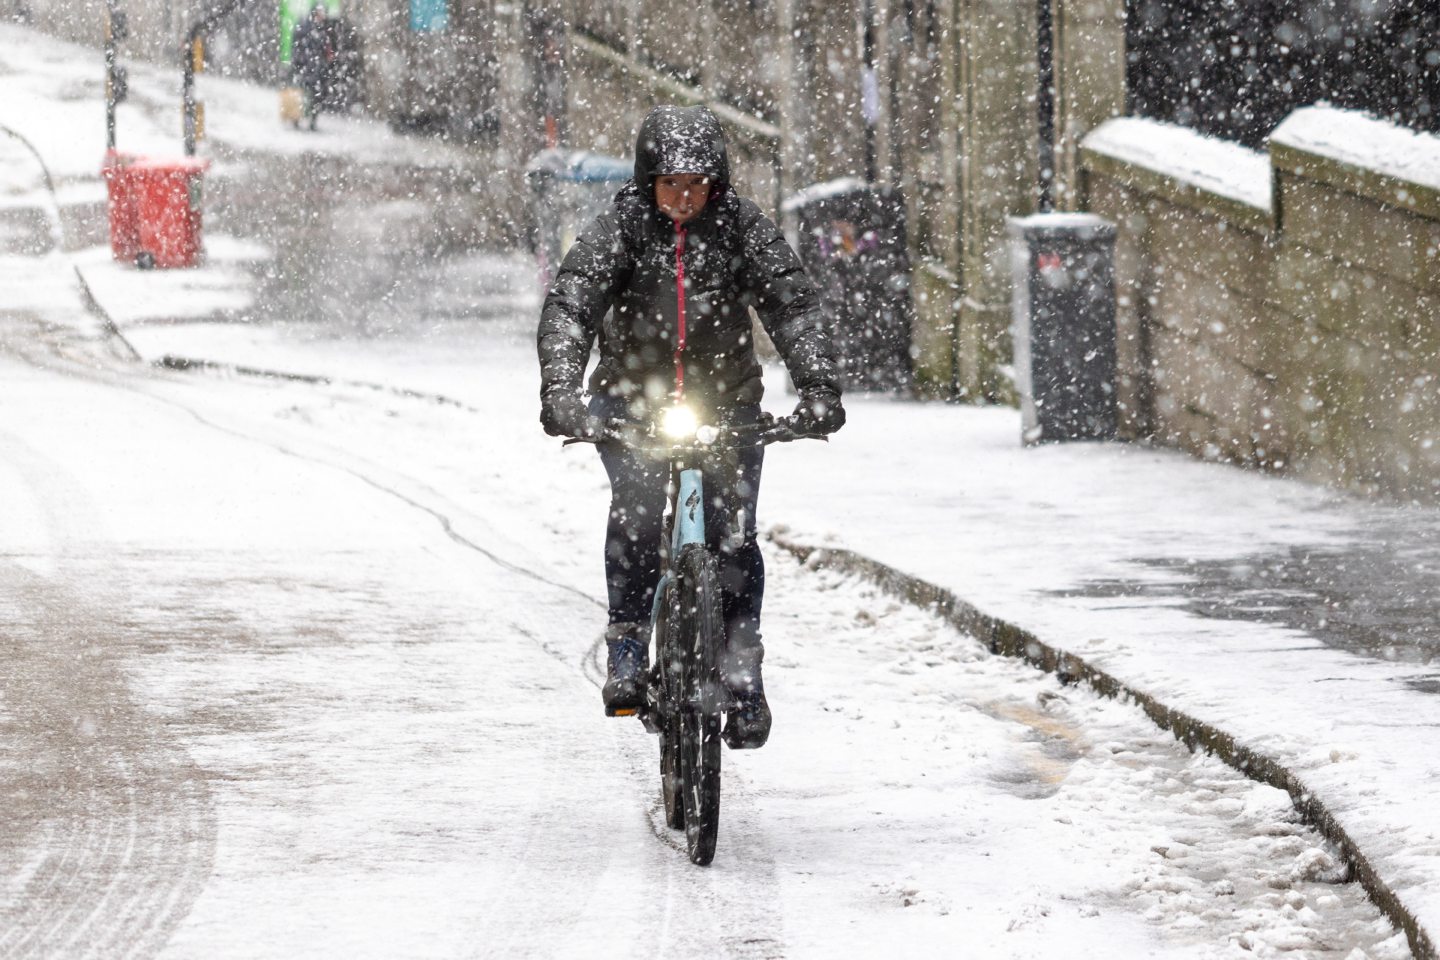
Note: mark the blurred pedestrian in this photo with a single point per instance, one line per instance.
(312, 58)
(347, 69)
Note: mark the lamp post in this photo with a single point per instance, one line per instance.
(116, 29)
(1045, 102)
(869, 88)
(193, 58)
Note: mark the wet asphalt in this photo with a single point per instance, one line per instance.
(1376, 594)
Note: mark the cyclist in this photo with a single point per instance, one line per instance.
(680, 217)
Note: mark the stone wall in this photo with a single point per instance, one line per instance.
(1280, 309)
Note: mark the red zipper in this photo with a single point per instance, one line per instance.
(680, 311)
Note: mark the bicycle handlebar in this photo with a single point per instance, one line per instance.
(767, 430)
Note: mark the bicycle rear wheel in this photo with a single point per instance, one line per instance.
(701, 632)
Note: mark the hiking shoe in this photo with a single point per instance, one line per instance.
(626, 663)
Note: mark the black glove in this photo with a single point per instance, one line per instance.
(563, 414)
(819, 412)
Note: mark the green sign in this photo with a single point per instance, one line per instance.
(291, 13)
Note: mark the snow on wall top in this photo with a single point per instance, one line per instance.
(822, 191)
(1363, 141)
(1217, 166)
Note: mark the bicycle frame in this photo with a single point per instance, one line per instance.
(687, 525)
(689, 518)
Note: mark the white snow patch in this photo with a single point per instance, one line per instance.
(821, 191)
(221, 283)
(1363, 141)
(1214, 165)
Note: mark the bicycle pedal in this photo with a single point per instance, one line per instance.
(621, 711)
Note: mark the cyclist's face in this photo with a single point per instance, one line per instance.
(681, 196)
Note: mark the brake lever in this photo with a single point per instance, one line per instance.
(783, 430)
(615, 429)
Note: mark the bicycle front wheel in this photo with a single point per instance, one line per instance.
(700, 633)
(671, 694)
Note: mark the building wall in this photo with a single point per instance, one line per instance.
(1299, 334)
(954, 125)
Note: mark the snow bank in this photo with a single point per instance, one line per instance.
(221, 283)
(1216, 166)
(1235, 172)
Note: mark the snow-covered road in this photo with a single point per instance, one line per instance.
(300, 670)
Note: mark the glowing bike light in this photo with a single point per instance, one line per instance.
(678, 423)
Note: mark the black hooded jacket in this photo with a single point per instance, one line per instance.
(618, 283)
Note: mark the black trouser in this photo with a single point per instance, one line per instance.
(635, 530)
(313, 86)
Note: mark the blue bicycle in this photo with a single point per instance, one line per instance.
(686, 699)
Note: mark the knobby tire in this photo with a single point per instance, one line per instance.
(671, 794)
(700, 634)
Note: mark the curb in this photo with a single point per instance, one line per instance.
(88, 296)
(190, 364)
(1010, 640)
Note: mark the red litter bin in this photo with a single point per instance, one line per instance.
(124, 221)
(167, 197)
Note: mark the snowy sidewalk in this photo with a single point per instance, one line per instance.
(1293, 621)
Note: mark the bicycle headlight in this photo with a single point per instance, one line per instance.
(678, 422)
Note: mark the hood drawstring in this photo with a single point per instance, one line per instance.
(680, 311)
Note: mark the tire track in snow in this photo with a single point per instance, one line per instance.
(109, 824)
